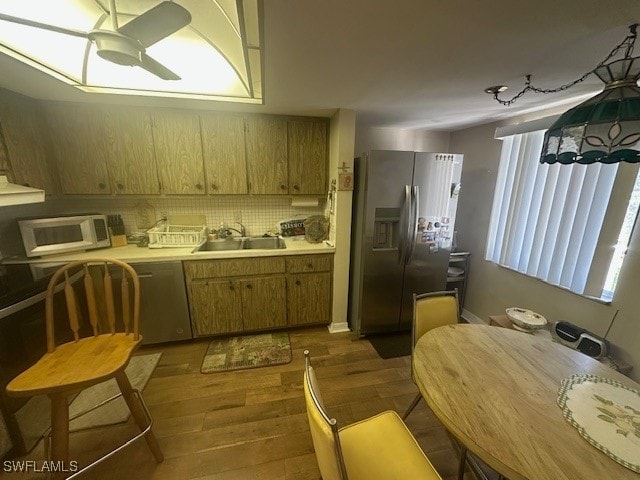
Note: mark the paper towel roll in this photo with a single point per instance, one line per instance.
(305, 202)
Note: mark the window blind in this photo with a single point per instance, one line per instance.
(546, 220)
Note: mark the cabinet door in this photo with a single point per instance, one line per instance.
(24, 132)
(131, 159)
(80, 148)
(264, 302)
(215, 307)
(307, 157)
(309, 298)
(224, 153)
(266, 143)
(178, 147)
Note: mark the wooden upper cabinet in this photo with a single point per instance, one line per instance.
(266, 143)
(178, 147)
(80, 148)
(223, 145)
(307, 141)
(25, 137)
(131, 160)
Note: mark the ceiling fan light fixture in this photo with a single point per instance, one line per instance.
(117, 48)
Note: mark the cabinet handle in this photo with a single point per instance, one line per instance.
(296, 187)
(120, 186)
(249, 286)
(214, 186)
(297, 282)
(199, 186)
(283, 187)
(101, 186)
(310, 266)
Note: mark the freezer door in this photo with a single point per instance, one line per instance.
(389, 174)
(435, 197)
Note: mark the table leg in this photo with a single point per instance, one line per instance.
(462, 462)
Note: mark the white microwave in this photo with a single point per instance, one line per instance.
(49, 236)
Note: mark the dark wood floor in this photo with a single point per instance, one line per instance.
(252, 424)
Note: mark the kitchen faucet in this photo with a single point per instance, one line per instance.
(226, 231)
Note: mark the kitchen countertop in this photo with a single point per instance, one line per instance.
(133, 254)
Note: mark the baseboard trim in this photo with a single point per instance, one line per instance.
(471, 318)
(340, 327)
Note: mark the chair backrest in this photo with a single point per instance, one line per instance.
(432, 310)
(92, 288)
(324, 430)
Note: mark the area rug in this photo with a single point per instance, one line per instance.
(34, 417)
(391, 345)
(248, 351)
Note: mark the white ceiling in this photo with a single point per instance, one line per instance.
(407, 63)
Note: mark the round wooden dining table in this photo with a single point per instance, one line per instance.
(496, 391)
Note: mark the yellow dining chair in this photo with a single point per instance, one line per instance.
(88, 290)
(380, 447)
(431, 310)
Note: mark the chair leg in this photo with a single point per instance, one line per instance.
(133, 402)
(59, 432)
(412, 406)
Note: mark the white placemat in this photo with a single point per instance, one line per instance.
(606, 413)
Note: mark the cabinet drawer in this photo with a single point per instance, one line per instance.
(233, 267)
(309, 263)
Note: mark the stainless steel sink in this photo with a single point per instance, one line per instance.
(241, 243)
(264, 243)
(220, 245)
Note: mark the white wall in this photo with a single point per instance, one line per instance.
(341, 143)
(491, 288)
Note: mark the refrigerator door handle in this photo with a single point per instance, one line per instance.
(415, 197)
(405, 225)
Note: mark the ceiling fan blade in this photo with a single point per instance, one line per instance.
(44, 26)
(155, 67)
(157, 23)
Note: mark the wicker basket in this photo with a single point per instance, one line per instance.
(176, 236)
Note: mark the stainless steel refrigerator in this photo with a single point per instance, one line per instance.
(402, 229)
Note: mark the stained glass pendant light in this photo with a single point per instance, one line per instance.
(605, 128)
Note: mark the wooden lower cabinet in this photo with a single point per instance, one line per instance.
(252, 294)
(215, 307)
(264, 303)
(309, 298)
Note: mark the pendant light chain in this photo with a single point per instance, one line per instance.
(628, 42)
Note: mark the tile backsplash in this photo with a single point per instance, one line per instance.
(258, 214)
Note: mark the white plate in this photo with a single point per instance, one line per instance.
(525, 318)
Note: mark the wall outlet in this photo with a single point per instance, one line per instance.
(237, 217)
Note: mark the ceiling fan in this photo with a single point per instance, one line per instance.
(126, 45)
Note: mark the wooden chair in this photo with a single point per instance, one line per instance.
(70, 367)
(380, 447)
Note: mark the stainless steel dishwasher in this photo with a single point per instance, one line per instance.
(164, 311)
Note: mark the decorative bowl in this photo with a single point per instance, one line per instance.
(526, 319)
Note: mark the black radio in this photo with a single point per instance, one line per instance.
(580, 339)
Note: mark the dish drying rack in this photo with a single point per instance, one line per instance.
(168, 235)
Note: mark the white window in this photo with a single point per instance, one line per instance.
(568, 225)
